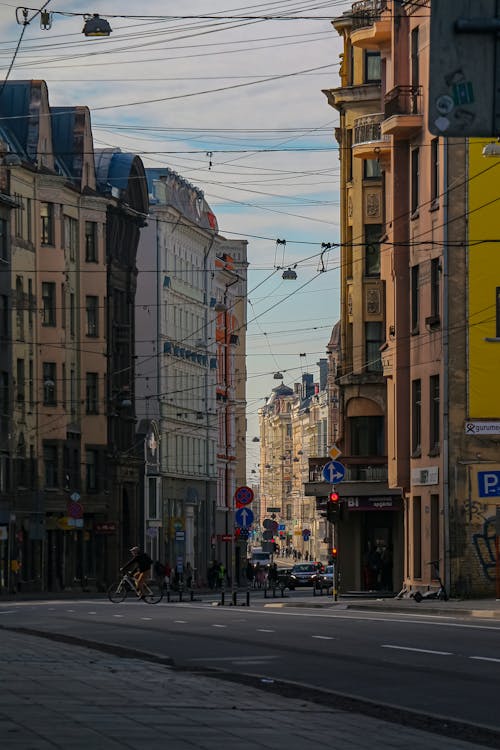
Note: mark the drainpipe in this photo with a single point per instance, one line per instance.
(446, 485)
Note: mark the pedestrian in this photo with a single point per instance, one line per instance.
(221, 576)
(212, 574)
(188, 575)
(272, 575)
(249, 572)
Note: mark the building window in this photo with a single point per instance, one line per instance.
(367, 436)
(31, 388)
(47, 223)
(30, 304)
(434, 414)
(4, 316)
(20, 381)
(348, 154)
(91, 242)
(50, 464)
(417, 537)
(49, 384)
(374, 338)
(435, 288)
(49, 303)
(288, 512)
(415, 72)
(434, 169)
(414, 299)
(72, 320)
(4, 244)
(415, 167)
(372, 67)
(92, 307)
(71, 236)
(20, 307)
(373, 233)
(91, 397)
(371, 169)
(91, 470)
(416, 417)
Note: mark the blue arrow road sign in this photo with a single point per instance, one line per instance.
(243, 517)
(333, 472)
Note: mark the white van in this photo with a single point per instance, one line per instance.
(258, 556)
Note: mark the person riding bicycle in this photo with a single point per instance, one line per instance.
(138, 566)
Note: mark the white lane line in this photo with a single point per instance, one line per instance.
(183, 622)
(91, 613)
(8, 612)
(245, 663)
(70, 610)
(264, 630)
(323, 637)
(117, 615)
(484, 658)
(219, 626)
(419, 650)
(146, 618)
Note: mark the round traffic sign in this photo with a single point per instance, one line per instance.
(243, 496)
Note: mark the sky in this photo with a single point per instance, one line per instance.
(235, 106)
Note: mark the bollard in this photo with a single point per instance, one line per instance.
(234, 598)
(274, 592)
(282, 592)
(222, 597)
(248, 597)
(180, 594)
(168, 594)
(191, 594)
(265, 593)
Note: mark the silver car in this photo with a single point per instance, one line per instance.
(304, 573)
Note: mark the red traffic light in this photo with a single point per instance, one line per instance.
(333, 497)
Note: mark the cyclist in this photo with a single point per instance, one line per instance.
(138, 565)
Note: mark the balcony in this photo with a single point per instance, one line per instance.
(369, 29)
(403, 110)
(368, 141)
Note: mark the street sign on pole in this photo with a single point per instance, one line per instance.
(334, 452)
(243, 517)
(243, 496)
(333, 472)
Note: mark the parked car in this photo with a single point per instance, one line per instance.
(305, 573)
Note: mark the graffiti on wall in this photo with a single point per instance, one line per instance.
(484, 544)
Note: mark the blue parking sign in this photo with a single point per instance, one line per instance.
(488, 483)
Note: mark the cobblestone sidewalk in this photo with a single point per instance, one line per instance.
(62, 696)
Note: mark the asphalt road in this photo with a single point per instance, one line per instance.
(446, 666)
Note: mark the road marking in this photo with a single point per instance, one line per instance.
(323, 637)
(117, 615)
(8, 612)
(183, 622)
(70, 610)
(419, 650)
(264, 630)
(484, 658)
(146, 618)
(91, 613)
(219, 626)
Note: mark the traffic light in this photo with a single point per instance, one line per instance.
(332, 508)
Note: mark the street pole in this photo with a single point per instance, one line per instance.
(233, 549)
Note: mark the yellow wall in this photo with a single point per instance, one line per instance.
(484, 278)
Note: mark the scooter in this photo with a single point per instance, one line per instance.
(439, 593)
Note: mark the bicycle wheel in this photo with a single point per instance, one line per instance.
(117, 592)
(153, 593)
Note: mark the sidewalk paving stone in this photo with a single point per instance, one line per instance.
(63, 696)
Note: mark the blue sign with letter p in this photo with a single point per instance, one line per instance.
(488, 483)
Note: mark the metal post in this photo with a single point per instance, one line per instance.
(248, 597)
(222, 597)
(234, 598)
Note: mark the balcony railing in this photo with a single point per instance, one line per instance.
(366, 473)
(366, 12)
(367, 129)
(403, 100)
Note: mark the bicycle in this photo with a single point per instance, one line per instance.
(152, 593)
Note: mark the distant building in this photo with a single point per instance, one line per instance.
(185, 372)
